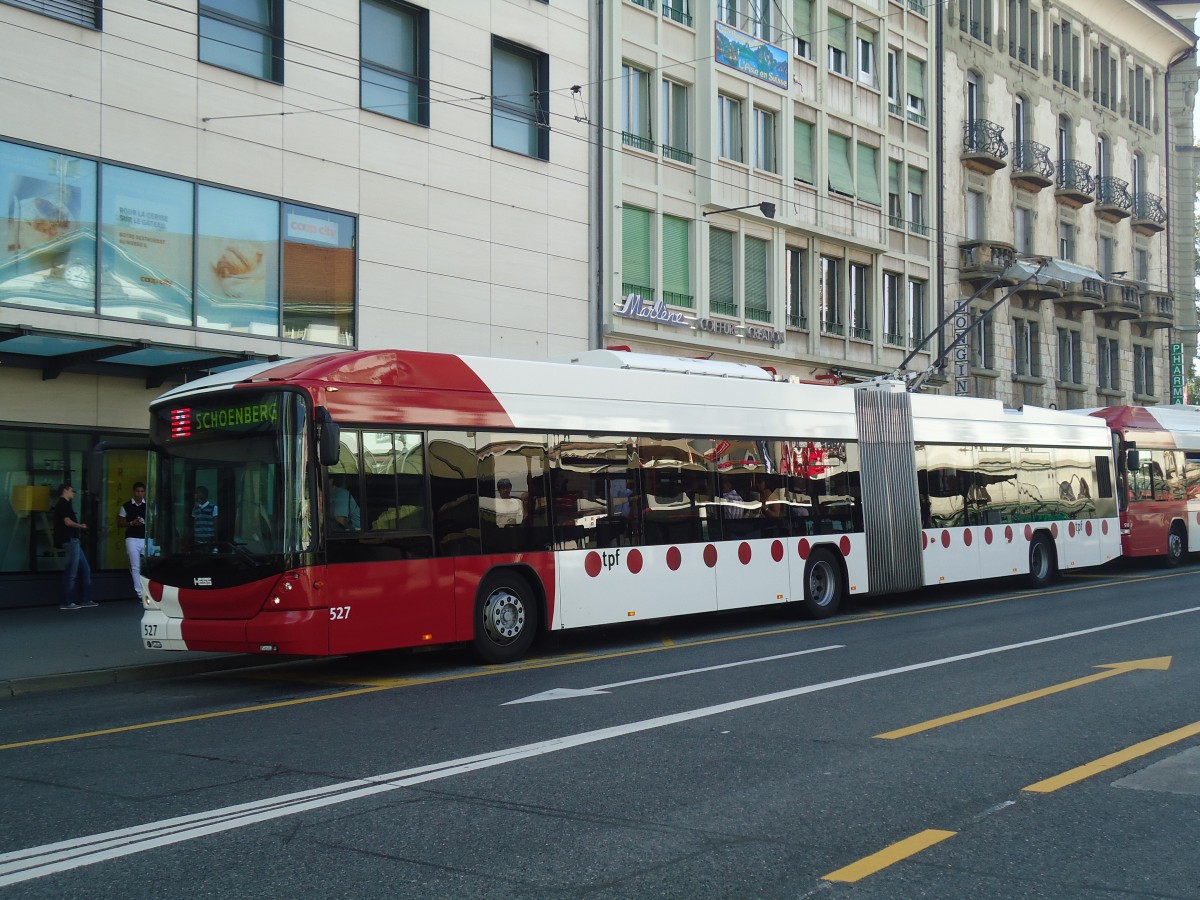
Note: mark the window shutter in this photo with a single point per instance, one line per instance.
(635, 247)
(802, 19)
(916, 78)
(894, 177)
(756, 274)
(837, 32)
(803, 158)
(868, 175)
(676, 261)
(720, 266)
(841, 178)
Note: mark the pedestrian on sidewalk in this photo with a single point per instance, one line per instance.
(67, 530)
(132, 518)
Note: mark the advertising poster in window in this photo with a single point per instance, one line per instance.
(318, 275)
(48, 230)
(750, 55)
(237, 263)
(146, 247)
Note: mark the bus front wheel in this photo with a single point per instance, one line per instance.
(1176, 545)
(1042, 564)
(823, 585)
(506, 618)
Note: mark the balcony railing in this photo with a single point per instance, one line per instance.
(980, 261)
(643, 291)
(860, 332)
(1149, 214)
(917, 6)
(629, 139)
(1075, 177)
(672, 298)
(1158, 308)
(982, 136)
(1031, 162)
(920, 228)
(676, 12)
(981, 31)
(676, 154)
(723, 308)
(1114, 193)
(757, 314)
(833, 328)
(796, 320)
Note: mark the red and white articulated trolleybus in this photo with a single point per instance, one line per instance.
(1158, 478)
(383, 499)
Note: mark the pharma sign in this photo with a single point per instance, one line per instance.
(747, 54)
(1177, 373)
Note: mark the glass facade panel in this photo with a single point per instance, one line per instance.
(237, 266)
(318, 275)
(146, 247)
(48, 229)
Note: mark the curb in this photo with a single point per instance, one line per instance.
(39, 684)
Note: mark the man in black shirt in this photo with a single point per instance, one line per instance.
(67, 529)
(132, 518)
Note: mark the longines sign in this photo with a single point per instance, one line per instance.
(634, 306)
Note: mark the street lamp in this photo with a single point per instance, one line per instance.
(766, 208)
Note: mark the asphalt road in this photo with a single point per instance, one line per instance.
(962, 743)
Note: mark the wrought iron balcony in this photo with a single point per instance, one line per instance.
(1075, 185)
(1149, 214)
(1113, 200)
(1032, 168)
(984, 147)
(981, 261)
(1121, 300)
(1158, 309)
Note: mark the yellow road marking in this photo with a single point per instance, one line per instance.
(485, 671)
(869, 865)
(1160, 663)
(1104, 763)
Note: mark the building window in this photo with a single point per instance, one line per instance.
(1018, 30)
(860, 301)
(1070, 356)
(974, 222)
(722, 289)
(676, 262)
(916, 91)
(1104, 77)
(394, 38)
(764, 140)
(1026, 352)
(757, 283)
(1066, 241)
(677, 11)
(729, 128)
(836, 36)
(895, 195)
(841, 175)
(916, 201)
(893, 82)
(832, 321)
(759, 15)
(1023, 230)
(1108, 362)
(1104, 255)
(802, 25)
(77, 12)
(1143, 370)
(520, 117)
(867, 67)
(727, 13)
(1139, 96)
(237, 237)
(244, 37)
(676, 133)
(803, 160)
(916, 311)
(318, 275)
(635, 108)
(893, 310)
(975, 19)
(1141, 265)
(983, 341)
(868, 175)
(797, 305)
(635, 253)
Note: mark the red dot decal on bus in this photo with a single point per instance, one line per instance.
(802, 548)
(1054, 530)
(924, 540)
(946, 539)
(634, 561)
(1029, 532)
(710, 556)
(1008, 533)
(592, 564)
(967, 537)
(1070, 529)
(156, 592)
(674, 559)
(777, 551)
(987, 535)
(844, 545)
(744, 553)
(1087, 526)
(1104, 526)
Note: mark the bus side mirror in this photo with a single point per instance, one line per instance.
(1132, 460)
(329, 438)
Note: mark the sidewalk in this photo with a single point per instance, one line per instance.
(48, 649)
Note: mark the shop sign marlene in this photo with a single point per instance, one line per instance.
(634, 306)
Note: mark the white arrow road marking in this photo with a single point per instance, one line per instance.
(564, 693)
(25, 865)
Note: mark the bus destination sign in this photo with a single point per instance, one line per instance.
(192, 421)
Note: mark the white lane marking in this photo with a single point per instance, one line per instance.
(24, 865)
(562, 693)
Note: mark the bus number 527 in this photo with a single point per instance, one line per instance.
(338, 612)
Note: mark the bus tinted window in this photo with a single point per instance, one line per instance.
(453, 492)
(512, 476)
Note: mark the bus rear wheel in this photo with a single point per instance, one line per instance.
(1042, 563)
(506, 617)
(1176, 545)
(823, 585)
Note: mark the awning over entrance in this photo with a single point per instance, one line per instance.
(56, 352)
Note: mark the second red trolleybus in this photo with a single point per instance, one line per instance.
(1158, 456)
(382, 499)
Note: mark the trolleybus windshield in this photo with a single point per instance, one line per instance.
(232, 474)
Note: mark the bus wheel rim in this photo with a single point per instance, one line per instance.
(820, 584)
(503, 616)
